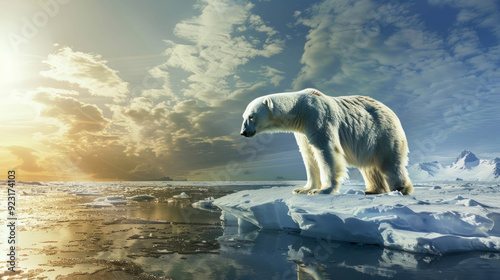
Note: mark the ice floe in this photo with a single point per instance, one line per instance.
(433, 220)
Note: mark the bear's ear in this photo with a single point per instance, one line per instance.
(269, 103)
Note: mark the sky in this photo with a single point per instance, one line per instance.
(139, 90)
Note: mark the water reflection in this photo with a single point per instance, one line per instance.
(326, 259)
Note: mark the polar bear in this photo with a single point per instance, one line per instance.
(333, 133)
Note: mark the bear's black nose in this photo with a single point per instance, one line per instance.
(244, 133)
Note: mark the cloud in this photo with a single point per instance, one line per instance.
(393, 53)
(28, 158)
(75, 116)
(86, 70)
(275, 76)
(334, 26)
(171, 129)
(58, 91)
(484, 14)
(197, 127)
(217, 45)
(189, 136)
(186, 120)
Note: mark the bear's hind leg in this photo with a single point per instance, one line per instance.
(312, 169)
(398, 180)
(374, 180)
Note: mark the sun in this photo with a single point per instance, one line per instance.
(17, 111)
(10, 69)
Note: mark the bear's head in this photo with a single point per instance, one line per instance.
(258, 117)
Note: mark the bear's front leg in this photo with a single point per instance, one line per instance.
(331, 166)
(312, 169)
(330, 190)
(304, 190)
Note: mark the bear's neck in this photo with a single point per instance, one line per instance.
(289, 118)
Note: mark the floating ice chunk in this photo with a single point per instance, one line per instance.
(142, 197)
(108, 201)
(206, 204)
(182, 195)
(116, 200)
(85, 192)
(98, 204)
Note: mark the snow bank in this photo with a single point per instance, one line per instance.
(433, 220)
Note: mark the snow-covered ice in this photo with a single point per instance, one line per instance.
(435, 219)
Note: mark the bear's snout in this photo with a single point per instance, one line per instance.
(247, 134)
(247, 129)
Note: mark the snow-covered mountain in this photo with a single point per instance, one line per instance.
(465, 161)
(425, 171)
(466, 167)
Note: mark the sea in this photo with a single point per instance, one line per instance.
(170, 230)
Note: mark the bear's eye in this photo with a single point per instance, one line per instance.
(250, 118)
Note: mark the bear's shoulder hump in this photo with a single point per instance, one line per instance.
(317, 93)
(314, 92)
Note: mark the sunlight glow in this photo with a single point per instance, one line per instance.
(10, 70)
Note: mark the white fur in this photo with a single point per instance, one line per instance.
(333, 133)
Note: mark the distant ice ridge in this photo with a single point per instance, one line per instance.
(466, 167)
(435, 220)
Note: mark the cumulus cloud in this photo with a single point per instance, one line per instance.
(171, 129)
(145, 140)
(197, 127)
(75, 116)
(28, 158)
(86, 70)
(333, 27)
(275, 76)
(217, 46)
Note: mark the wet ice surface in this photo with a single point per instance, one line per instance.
(156, 235)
